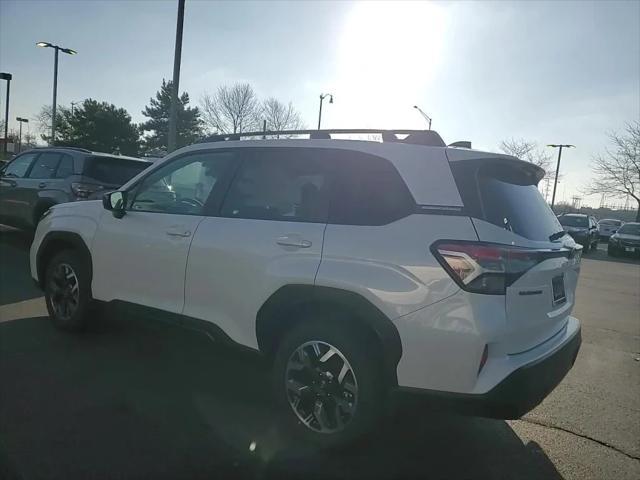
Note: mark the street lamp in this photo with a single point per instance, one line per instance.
(21, 120)
(55, 82)
(322, 97)
(7, 77)
(427, 117)
(555, 183)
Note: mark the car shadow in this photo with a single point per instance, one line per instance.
(134, 398)
(16, 284)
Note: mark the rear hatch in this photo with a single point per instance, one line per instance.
(104, 173)
(540, 263)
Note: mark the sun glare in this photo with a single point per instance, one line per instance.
(388, 53)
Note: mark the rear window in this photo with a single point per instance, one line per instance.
(505, 196)
(630, 229)
(113, 170)
(574, 221)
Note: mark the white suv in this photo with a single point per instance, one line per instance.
(362, 270)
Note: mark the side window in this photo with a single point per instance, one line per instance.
(18, 167)
(45, 165)
(182, 186)
(287, 184)
(369, 191)
(65, 167)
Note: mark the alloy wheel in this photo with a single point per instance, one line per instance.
(64, 291)
(321, 387)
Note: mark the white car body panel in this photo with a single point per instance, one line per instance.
(380, 263)
(141, 258)
(81, 218)
(236, 264)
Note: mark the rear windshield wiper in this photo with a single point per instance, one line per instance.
(557, 235)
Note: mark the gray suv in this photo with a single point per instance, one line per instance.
(39, 178)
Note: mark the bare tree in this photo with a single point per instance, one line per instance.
(43, 121)
(279, 116)
(617, 172)
(529, 151)
(232, 109)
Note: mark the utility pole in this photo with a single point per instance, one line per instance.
(555, 183)
(173, 114)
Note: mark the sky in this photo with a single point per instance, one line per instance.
(548, 72)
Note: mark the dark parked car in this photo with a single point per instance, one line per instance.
(583, 229)
(625, 241)
(37, 179)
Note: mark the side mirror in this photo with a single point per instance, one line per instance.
(115, 201)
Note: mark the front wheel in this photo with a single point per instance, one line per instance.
(67, 290)
(327, 381)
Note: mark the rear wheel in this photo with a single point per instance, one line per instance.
(327, 381)
(67, 290)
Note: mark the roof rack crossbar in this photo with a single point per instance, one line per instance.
(79, 149)
(426, 137)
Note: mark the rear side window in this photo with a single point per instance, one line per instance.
(286, 184)
(505, 196)
(65, 167)
(113, 170)
(368, 191)
(45, 165)
(18, 167)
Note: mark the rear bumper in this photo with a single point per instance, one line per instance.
(514, 396)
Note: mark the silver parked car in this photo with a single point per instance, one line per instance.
(608, 226)
(626, 240)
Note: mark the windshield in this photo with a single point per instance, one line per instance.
(630, 229)
(113, 170)
(574, 221)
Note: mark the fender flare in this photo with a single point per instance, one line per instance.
(272, 319)
(56, 241)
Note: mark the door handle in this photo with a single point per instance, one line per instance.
(177, 233)
(291, 241)
(42, 185)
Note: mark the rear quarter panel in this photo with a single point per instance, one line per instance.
(392, 265)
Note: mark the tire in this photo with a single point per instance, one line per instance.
(585, 248)
(611, 251)
(297, 374)
(67, 290)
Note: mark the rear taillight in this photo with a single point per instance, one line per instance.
(84, 190)
(485, 267)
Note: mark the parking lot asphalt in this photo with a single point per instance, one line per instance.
(135, 399)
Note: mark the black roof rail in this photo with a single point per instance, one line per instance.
(60, 147)
(416, 137)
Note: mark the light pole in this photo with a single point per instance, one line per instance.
(322, 97)
(555, 182)
(7, 77)
(427, 117)
(55, 82)
(21, 120)
(173, 111)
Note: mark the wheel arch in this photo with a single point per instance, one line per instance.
(40, 207)
(54, 242)
(279, 313)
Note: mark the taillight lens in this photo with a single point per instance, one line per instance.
(485, 267)
(84, 190)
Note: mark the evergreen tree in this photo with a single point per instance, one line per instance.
(189, 124)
